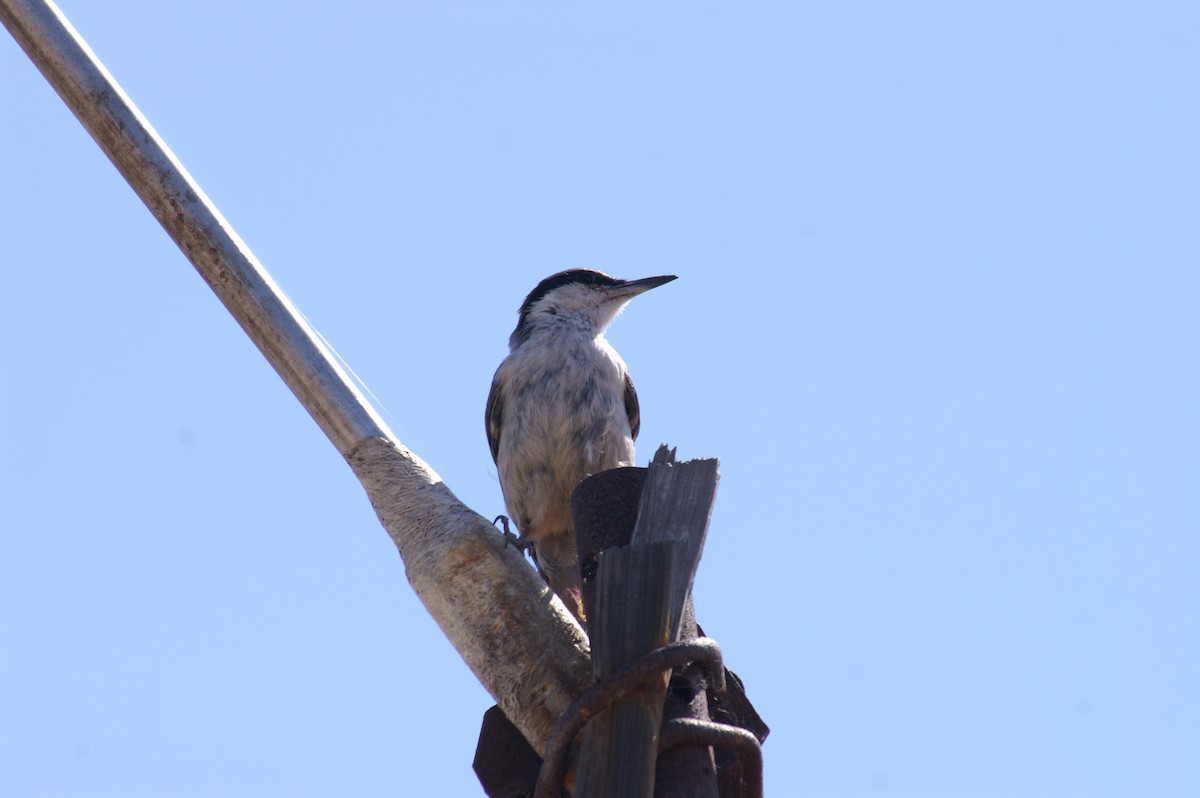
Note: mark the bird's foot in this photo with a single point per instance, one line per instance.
(511, 538)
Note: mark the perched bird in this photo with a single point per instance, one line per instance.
(562, 407)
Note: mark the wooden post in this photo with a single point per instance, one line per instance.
(641, 593)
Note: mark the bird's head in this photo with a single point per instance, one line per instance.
(584, 298)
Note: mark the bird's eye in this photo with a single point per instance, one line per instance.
(553, 311)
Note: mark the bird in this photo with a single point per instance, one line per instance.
(562, 407)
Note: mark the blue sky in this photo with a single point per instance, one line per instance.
(936, 315)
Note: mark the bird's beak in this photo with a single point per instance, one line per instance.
(631, 288)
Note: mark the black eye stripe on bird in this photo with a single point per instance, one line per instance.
(562, 407)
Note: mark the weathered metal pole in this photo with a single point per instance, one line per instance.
(522, 644)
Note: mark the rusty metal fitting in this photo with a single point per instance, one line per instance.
(688, 731)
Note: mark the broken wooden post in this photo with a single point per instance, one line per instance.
(641, 591)
(705, 711)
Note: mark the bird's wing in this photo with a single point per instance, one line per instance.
(493, 417)
(632, 408)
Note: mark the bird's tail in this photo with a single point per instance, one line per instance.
(558, 563)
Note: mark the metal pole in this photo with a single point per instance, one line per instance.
(190, 218)
(516, 637)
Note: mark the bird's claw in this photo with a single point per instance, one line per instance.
(511, 538)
